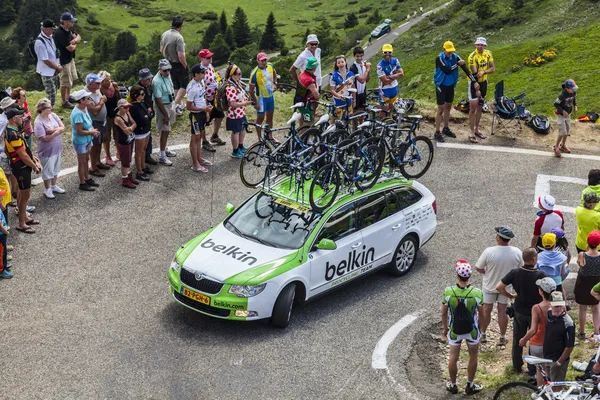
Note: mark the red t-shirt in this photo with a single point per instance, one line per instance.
(305, 80)
(548, 221)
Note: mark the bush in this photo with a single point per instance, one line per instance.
(133, 26)
(284, 51)
(92, 20)
(351, 21)
(483, 8)
(210, 16)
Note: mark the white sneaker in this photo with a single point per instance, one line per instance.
(165, 161)
(48, 193)
(58, 189)
(29, 209)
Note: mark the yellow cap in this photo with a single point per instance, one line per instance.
(387, 47)
(449, 46)
(549, 240)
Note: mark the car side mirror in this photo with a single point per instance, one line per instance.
(326, 244)
(229, 208)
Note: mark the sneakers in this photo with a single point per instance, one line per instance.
(446, 131)
(10, 247)
(556, 152)
(98, 173)
(109, 161)
(132, 179)
(217, 141)
(85, 187)
(170, 153)
(103, 166)
(6, 274)
(48, 193)
(151, 161)
(29, 209)
(451, 387)
(564, 149)
(147, 171)
(142, 177)
(242, 148)
(9, 258)
(208, 147)
(92, 182)
(58, 189)
(273, 140)
(165, 161)
(483, 338)
(237, 153)
(127, 183)
(68, 105)
(179, 109)
(502, 341)
(439, 137)
(473, 388)
(581, 335)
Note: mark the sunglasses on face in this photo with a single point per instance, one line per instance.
(166, 70)
(387, 53)
(313, 44)
(141, 94)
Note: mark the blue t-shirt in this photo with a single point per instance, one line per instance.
(83, 117)
(388, 68)
(550, 262)
(337, 80)
(3, 222)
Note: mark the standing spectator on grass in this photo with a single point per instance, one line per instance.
(110, 90)
(125, 126)
(199, 113)
(565, 104)
(20, 96)
(593, 185)
(537, 330)
(312, 51)
(559, 339)
(481, 64)
(464, 304)
(82, 133)
(494, 263)
(48, 64)
(445, 79)
(97, 110)
(164, 104)
(588, 220)
(361, 70)
(172, 47)
(547, 219)
(66, 40)
(308, 91)
(236, 114)
(6, 104)
(212, 80)
(48, 130)
(523, 281)
(145, 81)
(588, 277)
(263, 81)
(22, 163)
(139, 113)
(5, 273)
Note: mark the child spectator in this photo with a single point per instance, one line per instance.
(547, 220)
(551, 261)
(4, 272)
(565, 104)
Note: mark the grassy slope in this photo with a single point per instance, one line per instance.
(570, 27)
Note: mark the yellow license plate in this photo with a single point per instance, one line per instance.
(291, 204)
(200, 298)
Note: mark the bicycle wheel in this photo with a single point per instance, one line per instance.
(309, 136)
(324, 188)
(416, 158)
(254, 165)
(515, 391)
(369, 166)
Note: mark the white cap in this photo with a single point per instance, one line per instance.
(557, 299)
(547, 202)
(80, 94)
(481, 40)
(312, 38)
(7, 102)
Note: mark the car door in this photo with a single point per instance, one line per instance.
(378, 226)
(329, 268)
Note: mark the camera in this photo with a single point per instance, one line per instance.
(171, 97)
(510, 311)
(151, 114)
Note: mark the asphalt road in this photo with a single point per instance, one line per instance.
(88, 314)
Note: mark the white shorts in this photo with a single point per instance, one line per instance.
(491, 298)
(160, 120)
(471, 338)
(50, 166)
(142, 136)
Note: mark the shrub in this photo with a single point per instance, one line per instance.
(483, 8)
(133, 26)
(92, 20)
(540, 57)
(284, 51)
(351, 21)
(210, 16)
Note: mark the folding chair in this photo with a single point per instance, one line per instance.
(507, 111)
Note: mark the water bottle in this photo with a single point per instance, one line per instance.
(579, 366)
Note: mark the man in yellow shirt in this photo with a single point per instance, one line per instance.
(481, 64)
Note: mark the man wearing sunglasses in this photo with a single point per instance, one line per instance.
(164, 106)
(312, 51)
(388, 72)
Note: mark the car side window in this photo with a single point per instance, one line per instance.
(372, 209)
(340, 224)
(401, 198)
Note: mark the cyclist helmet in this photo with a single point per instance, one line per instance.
(387, 47)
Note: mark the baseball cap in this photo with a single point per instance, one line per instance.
(449, 46)
(198, 69)
(122, 103)
(481, 40)
(549, 240)
(504, 232)
(387, 47)
(312, 63)
(68, 17)
(547, 202)
(48, 24)
(557, 299)
(164, 64)
(546, 284)
(93, 78)
(593, 238)
(261, 56)
(80, 94)
(463, 269)
(312, 38)
(12, 112)
(145, 74)
(558, 232)
(7, 102)
(205, 53)
(570, 84)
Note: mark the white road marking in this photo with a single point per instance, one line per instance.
(542, 187)
(515, 150)
(379, 357)
(381, 37)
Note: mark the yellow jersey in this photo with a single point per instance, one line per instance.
(4, 185)
(481, 62)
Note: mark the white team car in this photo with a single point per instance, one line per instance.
(270, 252)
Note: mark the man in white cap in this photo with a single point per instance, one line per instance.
(312, 50)
(494, 263)
(48, 64)
(481, 64)
(163, 93)
(465, 304)
(559, 339)
(547, 220)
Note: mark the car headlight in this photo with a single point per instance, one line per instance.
(175, 266)
(247, 290)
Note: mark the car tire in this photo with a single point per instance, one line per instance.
(282, 310)
(404, 257)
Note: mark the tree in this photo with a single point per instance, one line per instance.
(303, 38)
(483, 8)
(223, 22)
(241, 29)
(104, 50)
(8, 12)
(209, 34)
(230, 38)
(221, 50)
(270, 39)
(125, 45)
(374, 18)
(351, 21)
(37, 10)
(517, 4)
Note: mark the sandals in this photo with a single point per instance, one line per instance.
(473, 139)
(97, 173)
(199, 169)
(556, 152)
(32, 222)
(564, 149)
(480, 135)
(206, 163)
(28, 229)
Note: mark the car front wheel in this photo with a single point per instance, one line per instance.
(282, 310)
(404, 256)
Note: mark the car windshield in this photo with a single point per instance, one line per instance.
(380, 27)
(376, 30)
(265, 221)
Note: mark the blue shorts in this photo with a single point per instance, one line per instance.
(265, 104)
(82, 148)
(235, 125)
(388, 96)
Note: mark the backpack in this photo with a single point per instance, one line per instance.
(506, 107)
(31, 48)
(463, 106)
(462, 319)
(221, 102)
(540, 124)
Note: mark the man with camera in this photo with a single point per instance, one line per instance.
(523, 281)
(66, 40)
(48, 64)
(164, 106)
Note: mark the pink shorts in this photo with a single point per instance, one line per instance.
(125, 151)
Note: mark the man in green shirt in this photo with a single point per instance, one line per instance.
(465, 303)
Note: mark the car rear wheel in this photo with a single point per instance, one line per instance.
(282, 310)
(404, 256)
